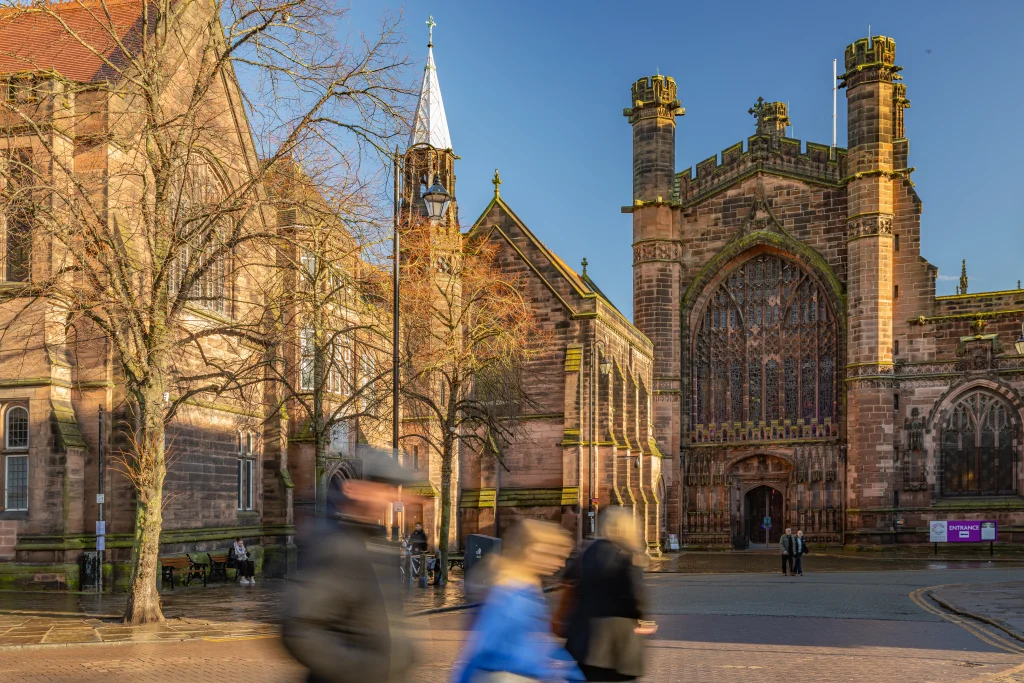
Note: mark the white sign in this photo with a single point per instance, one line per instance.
(673, 542)
(937, 532)
(399, 507)
(99, 499)
(101, 528)
(101, 543)
(988, 531)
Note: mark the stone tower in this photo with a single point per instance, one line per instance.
(657, 247)
(875, 106)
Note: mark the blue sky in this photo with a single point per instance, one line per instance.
(537, 89)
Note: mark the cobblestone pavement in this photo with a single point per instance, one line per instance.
(828, 627)
(1001, 605)
(214, 611)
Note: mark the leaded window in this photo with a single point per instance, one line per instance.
(978, 442)
(765, 351)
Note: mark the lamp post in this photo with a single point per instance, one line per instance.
(436, 200)
(603, 367)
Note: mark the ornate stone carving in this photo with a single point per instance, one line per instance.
(869, 225)
(657, 251)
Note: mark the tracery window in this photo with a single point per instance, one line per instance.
(766, 349)
(200, 262)
(978, 446)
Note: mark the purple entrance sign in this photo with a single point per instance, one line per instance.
(964, 531)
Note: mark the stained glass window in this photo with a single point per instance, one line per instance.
(768, 323)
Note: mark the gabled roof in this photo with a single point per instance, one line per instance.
(582, 285)
(33, 38)
(430, 125)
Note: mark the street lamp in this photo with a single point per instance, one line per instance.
(437, 199)
(604, 367)
(1020, 342)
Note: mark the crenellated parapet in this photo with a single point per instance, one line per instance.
(870, 59)
(654, 96)
(782, 156)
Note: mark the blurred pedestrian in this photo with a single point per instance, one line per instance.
(511, 640)
(606, 629)
(787, 544)
(798, 552)
(341, 614)
(238, 557)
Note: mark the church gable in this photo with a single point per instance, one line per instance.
(499, 223)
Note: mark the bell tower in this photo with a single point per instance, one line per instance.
(429, 160)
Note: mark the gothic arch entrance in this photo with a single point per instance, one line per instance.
(760, 504)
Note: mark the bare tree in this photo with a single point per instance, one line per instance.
(330, 313)
(468, 332)
(142, 194)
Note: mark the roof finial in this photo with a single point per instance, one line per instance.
(496, 181)
(584, 264)
(430, 27)
(963, 277)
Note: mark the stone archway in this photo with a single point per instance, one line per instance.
(758, 481)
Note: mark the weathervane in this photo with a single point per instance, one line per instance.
(430, 27)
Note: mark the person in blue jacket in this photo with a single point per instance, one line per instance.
(511, 639)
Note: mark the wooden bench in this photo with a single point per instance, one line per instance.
(219, 565)
(187, 570)
(457, 561)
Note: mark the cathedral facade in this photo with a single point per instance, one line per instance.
(805, 372)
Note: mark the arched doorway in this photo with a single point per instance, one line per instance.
(760, 504)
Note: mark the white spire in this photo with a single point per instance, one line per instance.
(430, 125)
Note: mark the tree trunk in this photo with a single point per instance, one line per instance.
(446, 507)
(143, 600)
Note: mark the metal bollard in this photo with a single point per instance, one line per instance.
(423, 570)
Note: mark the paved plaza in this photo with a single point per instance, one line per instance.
(860, 626)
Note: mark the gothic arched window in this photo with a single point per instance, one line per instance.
(978, 446)
(765, 350)
(197, 217)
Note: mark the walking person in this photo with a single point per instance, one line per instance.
(799, 551)
(511, 640)
(341, 615)
(788, 545)
(238, 556)
(606, 629)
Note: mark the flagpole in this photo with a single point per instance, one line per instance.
(834, 80)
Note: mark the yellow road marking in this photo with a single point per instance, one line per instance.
(918, 597)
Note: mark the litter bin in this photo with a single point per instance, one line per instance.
(477, 546)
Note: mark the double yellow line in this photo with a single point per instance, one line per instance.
(989, 635)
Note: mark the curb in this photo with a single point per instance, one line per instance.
(111, 643)
(956, 609)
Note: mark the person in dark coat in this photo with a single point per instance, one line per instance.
(418, 539)
(799, 550)
(606, 628)
(787, 545)
(341, 614)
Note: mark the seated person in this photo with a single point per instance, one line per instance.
(238, 557)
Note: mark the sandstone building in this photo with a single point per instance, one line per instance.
(804, 369)
(588, 440)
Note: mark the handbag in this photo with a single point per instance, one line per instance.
(563, 612)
